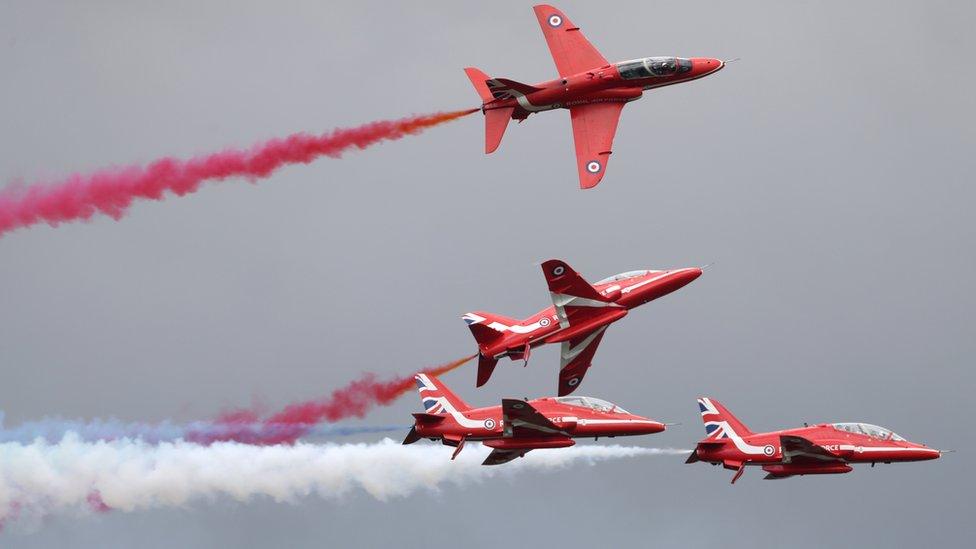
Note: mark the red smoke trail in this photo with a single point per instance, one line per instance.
(289, 424)
(112, 191)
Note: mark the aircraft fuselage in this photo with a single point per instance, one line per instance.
(605, 84)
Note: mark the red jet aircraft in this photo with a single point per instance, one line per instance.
(822, 449)
(593, 90)
(579, 316)
(519, 426)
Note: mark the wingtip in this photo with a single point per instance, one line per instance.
(589, 183)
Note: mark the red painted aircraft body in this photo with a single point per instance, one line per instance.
(827, 448)
(519, 426)
(577, 320)
(594, 91)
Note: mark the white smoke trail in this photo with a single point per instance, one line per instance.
(53, 429)
(72, 476)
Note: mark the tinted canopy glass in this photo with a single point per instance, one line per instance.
(662, 66)
(591, 403)
(651, 67)
(630, 70)
(622, 276)
(872, 431)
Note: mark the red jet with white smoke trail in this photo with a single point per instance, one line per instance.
(111, 191)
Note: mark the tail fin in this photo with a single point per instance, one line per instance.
(493, 89)
(480, 82)
(436, 397)
(719, 421)
(487, 328)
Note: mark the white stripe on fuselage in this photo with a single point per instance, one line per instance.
(449, 408)
(523, 102)
(584, 421)
(741, 444)
(860, 449)
(517, 329)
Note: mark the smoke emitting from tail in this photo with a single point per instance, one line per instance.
(112, 191)
(307, 419)
(356, 398)
(73, 476)
(293, 421)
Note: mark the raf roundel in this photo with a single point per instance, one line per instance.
(544, 322)
(559, 270)
(555, 20)
(489, 424)
(769, 450)
(593, 166)
(573, 382)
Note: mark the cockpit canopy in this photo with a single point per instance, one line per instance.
(872, 431)
(591, 403)
(650, 67)
(622, 276)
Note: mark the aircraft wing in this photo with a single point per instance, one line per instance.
(497, 457)
(576, 357)
(799, 450)
(571, 51)
(594, 126)
(521, 419)
(574, 299)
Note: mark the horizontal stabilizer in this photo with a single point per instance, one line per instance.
(429, 419)
(496, 121)
(486, 365)
(412, 436)
(705, 445)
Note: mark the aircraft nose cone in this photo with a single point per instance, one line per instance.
(651, 427)
(705, 65)
(687, 276)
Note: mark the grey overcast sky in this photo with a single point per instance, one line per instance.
(828, 175)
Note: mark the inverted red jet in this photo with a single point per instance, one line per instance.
(827, 448)
(593, 90)
(519, 426)
(579, 315)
